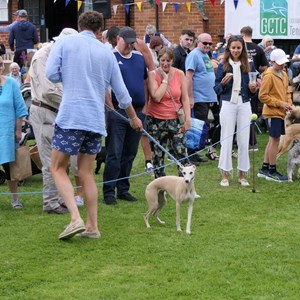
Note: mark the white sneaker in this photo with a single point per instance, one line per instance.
(79, 201)
(224, 182)
(244, 182)
(149, 169)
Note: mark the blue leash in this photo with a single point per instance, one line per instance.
(149, 136)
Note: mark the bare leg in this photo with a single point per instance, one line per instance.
(146, 147)
(13, 188)
(59, 164)
(85, 172)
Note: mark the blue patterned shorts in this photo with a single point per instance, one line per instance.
(72, 141)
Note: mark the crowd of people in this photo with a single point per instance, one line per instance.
(140, 84)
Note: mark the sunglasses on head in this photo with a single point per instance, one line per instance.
(206, 43)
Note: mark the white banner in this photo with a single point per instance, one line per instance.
(278, 18)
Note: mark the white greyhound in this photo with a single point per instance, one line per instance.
(179, 188)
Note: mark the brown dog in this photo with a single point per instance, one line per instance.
(292, 131)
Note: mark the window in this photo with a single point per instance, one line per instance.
(4, 11)
(32, 7)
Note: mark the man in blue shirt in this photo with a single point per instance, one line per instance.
(122, 141)
(86, 67)
(201, 80)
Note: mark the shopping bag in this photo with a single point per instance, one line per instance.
(196, 136)
(21, 167)
(35, 157)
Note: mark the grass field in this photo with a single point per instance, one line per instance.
(243, 245)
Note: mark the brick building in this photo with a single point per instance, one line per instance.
(51, 16)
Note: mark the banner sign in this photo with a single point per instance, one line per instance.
(278, 18)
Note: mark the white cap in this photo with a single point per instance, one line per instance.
(278, 56)
(64, 32)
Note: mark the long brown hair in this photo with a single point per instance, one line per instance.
(243, 58)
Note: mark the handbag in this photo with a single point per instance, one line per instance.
(180, 111)
(21, 167)
(196, 136)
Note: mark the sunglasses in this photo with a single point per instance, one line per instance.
(206, 43)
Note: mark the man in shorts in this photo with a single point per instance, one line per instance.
(86, 67)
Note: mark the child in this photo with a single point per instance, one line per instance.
(277, 101)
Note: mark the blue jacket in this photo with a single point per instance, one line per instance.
(25, 35)
(224, 92)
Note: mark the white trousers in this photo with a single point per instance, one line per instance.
(232, 115)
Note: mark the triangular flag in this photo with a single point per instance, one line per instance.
(222, 1)
(176, 5)
(79, 3)
(235, 3)
(250, 2)
(157, 2)
(127, 8)
(200, 4)
(115, 8)
(139, 5)
(188, 6)
(53, 2)
(213, 2)
(164, 4)
(151, 3)
(67, 2)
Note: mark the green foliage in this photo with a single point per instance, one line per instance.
(243, 245)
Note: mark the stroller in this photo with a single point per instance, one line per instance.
(27, 134)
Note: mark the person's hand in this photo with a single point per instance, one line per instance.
(226, 78)
(287, 107)
(186, 126)
(253, 87)
(136, 124)
(164, 75)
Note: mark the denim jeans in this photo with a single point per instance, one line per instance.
(122, 144)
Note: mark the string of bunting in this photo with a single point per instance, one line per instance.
(161, 4)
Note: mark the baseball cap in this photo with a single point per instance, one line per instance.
(279, 56)
(64, 32)
(21, 13)
(128, 34)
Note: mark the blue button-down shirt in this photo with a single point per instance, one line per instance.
(86, 67)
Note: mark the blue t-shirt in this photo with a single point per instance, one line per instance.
(297, 50)
(134, 72)
(204, 76)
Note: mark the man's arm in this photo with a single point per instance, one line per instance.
(189, 81)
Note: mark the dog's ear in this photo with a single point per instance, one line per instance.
(194, 166)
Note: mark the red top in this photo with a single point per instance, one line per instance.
(165, 109)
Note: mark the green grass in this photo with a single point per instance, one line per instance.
(243, 245)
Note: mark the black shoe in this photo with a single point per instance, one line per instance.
(58, 210)
(194, 161)
(127, 197)
(202, 159)
(110, 200)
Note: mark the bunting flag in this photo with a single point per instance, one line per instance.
(250, 2)
(67, 2)
(188, 6)
(53, 2)
(236, 2)
(200, 4)
(164, 4)
(213, 2)
(127, 8)
(115, 8)
(139, 5)
(222, 1)
(157, 2)
(176, 5)
(151, 3)
(79, 3)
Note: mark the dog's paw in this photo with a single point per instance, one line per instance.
(197, 196)
(179, 230)
(290, 180)
(188, 232)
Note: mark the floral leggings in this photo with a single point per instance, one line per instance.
(166, 132)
